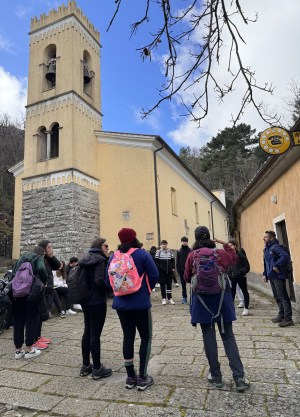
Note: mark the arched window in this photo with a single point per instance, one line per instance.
(174, 201)
(87, 69)
(41, 144)
(54, 144)
(49, 75)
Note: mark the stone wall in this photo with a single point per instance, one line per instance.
(67, 215)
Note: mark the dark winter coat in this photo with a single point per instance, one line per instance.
(37, 290)
(270, 261)
(52, 264)
(165, 261)
(182, 255)
(41, 305)
(238, 270)
(139, 300)
(95, 263)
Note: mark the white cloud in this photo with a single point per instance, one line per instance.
(152, 121)
(13, 95)
(271, 50)
(22, 11)
(5, 44)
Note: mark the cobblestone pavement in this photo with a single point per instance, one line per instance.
(50, 384)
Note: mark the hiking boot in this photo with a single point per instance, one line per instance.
(286, 323)
(85, 370)
(184, 301)
(19, 354)
(245, 312)
(216, 381)
(242, 384)
(43, 340)
(170, 301)
(101, 373)
(142, 384)
(33, 353)
(62, 314)
(39, 345)
(131, 382)
(277, 319)
(164, 302)
(241, 305)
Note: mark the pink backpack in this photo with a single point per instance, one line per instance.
(123, 275)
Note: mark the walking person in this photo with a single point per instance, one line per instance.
(61, 289)
(275, 258)
(132, 270)
(207, 306)
(182, 255)
(94, 310)
(26, 313)
(237, 275)
(165, 262)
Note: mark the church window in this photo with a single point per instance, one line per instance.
(41, 144)
(54, 144)
(87, 74)
(49, 73)
(174, 201)
(196, 213)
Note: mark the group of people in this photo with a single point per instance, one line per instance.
(213, 274)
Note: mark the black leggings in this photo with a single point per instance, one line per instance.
(24, 313)
(243, 286)
(64, 292)
(130, 321)
(94, 318)
(166, 279)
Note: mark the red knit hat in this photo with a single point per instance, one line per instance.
(127, 235)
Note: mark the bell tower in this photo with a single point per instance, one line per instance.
(57, 196)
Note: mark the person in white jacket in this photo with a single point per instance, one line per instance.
(61, 288)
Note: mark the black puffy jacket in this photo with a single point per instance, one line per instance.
(37, 290)
(238, 270)
(52, 264)
(41, 305)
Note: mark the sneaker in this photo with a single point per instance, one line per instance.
(245, 312)
(216, 381)
(19, 354)
(62, 314)
(70, 312)
(153, 290)
(131, 382)
(171, 302)
(142, 384)
(241, 305)
(157, 285)
(77, 307)
(39, 345)
(43, 340)
(184, 301)
(85, 370)
(176, 285)
(286, 323)
(33, 353)
(164, 302)
(242, 384)
(101, 373)
(277, 319)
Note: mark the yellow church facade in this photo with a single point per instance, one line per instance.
(78, 182)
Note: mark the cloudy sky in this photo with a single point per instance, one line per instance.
(128, 84)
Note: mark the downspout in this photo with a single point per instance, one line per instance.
(227, 220)
(156, 193)
(212, 217)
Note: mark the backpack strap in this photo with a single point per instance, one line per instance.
(131, 250)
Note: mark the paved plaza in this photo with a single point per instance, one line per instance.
(50, 385)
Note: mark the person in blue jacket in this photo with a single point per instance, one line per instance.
(274, 272)
(134, 310)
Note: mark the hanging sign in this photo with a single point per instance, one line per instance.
(296, 136)
(275, 140)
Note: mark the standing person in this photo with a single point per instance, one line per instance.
(182, 255)
(208, 309)
(274, 260)
(71, 265)
(26, 313)
(237, 275)
(153, 251)
(165, 262)
(238, 290)
(94, 309)
(134, 310)
(61, 288)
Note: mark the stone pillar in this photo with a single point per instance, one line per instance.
(49, 133)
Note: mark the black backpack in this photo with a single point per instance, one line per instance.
(287, 267)
(79, 291)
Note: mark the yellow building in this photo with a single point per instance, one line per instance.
(76, 181)
(271, 202)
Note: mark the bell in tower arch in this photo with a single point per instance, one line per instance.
(51, 73)
(86, 76)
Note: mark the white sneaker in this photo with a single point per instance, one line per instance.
(163, 302)
(19, 354)
(177, 285)
(70, 312)
(77, 307)
(33, 353)
(241, 305)
(157, 285)
(245, 312)
(171, 302)
(62, 314)
(153, 290)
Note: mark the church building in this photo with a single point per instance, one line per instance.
(78, 182)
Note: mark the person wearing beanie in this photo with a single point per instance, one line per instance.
(207, 307)
(182, 255)
(134, 310)
(165, 262)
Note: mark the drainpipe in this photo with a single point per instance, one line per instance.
(227, 220)
(156, 194)
(212, 217)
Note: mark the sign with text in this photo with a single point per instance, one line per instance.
(296, 136)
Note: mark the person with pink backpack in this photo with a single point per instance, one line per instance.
(132, 274)
(211, 302)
